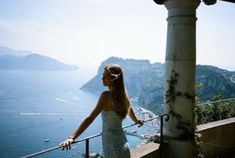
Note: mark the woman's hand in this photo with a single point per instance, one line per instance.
(67, 144)
(140, 122)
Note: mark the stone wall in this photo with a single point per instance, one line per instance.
(218, 139)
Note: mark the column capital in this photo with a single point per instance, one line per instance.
(180, 4)
(159, 1)
(209, 2)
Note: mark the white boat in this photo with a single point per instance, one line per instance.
(46, 140)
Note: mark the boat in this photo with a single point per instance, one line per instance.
(46, 140)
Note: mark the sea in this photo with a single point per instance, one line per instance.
(39, 109)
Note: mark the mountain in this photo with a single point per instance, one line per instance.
(17, 59)
(215, 80)
(9, 51)
(145, 81)
(135, 73)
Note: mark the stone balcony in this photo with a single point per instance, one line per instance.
(217, 140)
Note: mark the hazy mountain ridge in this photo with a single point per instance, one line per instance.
(131, 68)
(145, 81)
(16, 59)
(9, 51)
(215, 80)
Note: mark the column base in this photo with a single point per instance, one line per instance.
(178, 149)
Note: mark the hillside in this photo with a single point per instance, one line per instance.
(16, 59)
(144, 81)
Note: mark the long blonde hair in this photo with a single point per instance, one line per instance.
(118, 91)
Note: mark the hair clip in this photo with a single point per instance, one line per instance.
(112, 74)
(115, 76)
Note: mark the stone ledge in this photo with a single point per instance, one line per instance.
(144, 150)
(215, 124)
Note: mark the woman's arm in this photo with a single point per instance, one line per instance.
(86, 122)
(133, 117)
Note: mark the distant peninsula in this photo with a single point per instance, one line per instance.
(11, 59)
(145, 81)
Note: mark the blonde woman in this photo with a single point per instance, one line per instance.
(114, 106)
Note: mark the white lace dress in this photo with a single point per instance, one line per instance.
(114, 140)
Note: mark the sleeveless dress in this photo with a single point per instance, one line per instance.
(114, 140)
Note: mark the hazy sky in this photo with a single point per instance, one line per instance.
(86, 32)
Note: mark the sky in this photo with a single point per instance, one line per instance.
(86, 32)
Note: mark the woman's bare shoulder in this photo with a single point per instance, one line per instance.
(106, 94)
(107, 100)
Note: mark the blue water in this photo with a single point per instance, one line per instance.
(39, 105)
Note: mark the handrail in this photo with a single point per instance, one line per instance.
(86, 139)
(217, 101)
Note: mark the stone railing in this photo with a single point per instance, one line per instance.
(217, 140)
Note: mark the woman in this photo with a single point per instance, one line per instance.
(114, 106)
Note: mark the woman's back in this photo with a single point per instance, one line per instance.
(115, 143)
(111, 120)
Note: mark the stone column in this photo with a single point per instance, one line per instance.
(178, 132)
